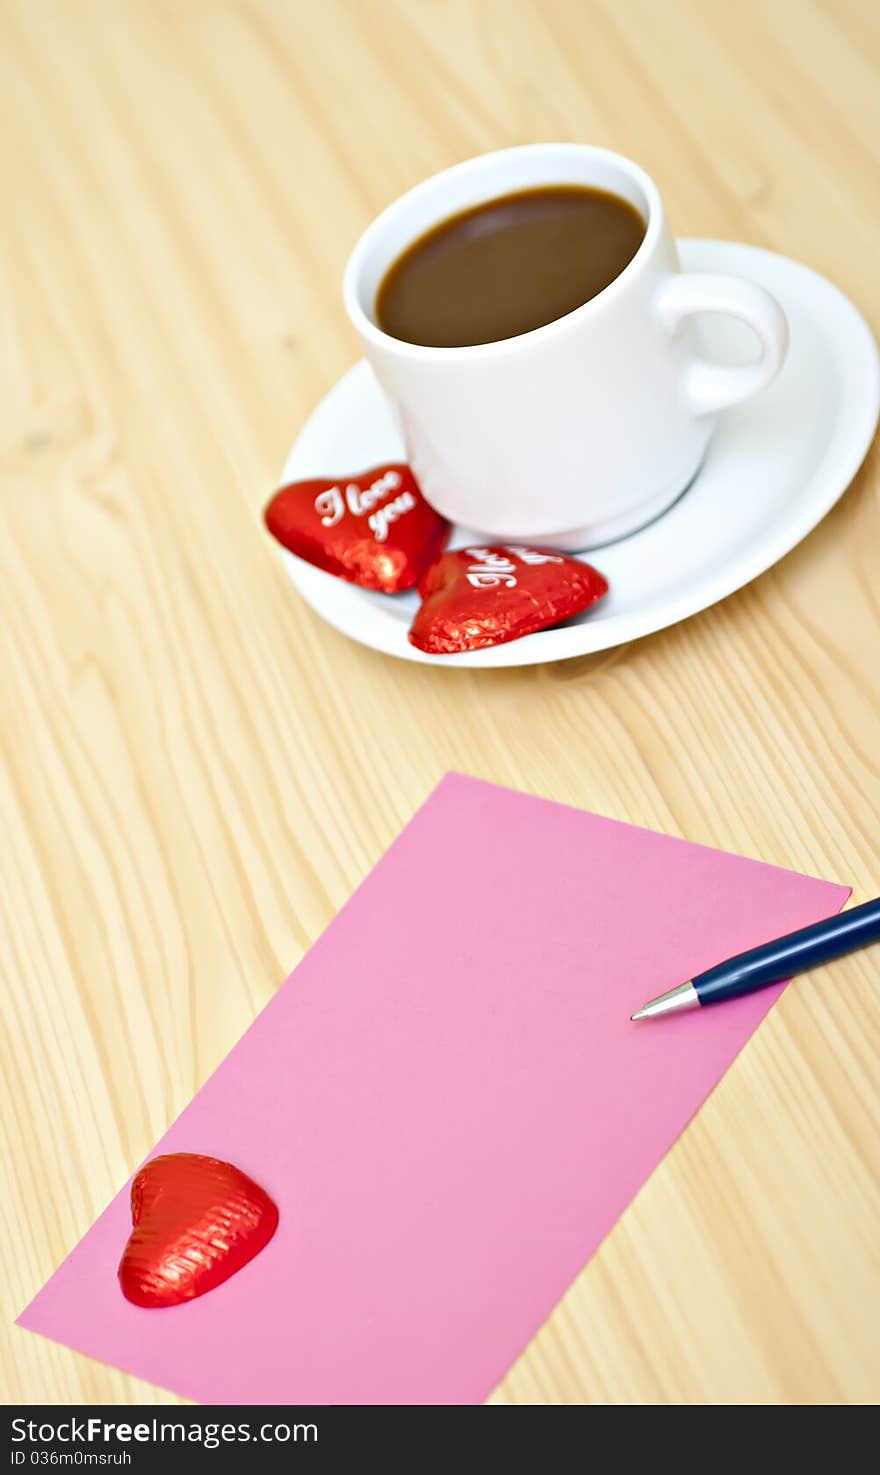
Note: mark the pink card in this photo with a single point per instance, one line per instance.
(449, 1105)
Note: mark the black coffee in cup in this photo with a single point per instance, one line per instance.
(507, 266)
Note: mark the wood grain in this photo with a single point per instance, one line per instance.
(196, 772)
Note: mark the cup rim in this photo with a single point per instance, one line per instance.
(378, 338)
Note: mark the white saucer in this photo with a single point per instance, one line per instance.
(775, 467)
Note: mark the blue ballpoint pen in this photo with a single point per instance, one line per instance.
(773, 961)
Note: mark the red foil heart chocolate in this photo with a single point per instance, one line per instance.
(474, 597)
(196, 1221)
(375, 529)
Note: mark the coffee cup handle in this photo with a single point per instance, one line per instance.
(710, 387)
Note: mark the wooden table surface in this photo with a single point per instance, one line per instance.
(197, 772)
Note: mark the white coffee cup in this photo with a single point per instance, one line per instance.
(583, 430)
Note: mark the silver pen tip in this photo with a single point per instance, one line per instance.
(683, 996)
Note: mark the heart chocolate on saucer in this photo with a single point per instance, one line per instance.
(375, 529)
(475, 597)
